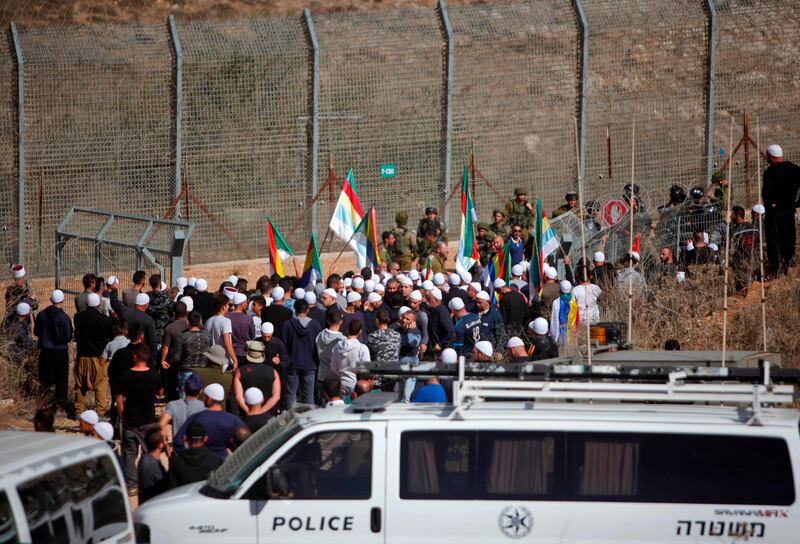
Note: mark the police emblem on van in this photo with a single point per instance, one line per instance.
(515, 521)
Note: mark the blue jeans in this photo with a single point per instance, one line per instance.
(302, 379)
(183, 375)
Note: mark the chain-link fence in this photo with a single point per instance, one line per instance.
(225, 122)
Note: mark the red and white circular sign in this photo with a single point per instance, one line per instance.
(614, 210)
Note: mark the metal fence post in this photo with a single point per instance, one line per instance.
(711, 9)
(312, 36)
(176, 48)
(447, 152)
(20, 143)
(583, 84)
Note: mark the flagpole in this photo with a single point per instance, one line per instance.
(727, 252)
(294, 264)
(760, 238)
(630, 257)
(583, 245)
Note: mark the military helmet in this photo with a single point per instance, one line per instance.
(498, 210)
(484, 226)
(401, 218)
(571, 195)
(696, 192)
(626, 189)
(719, 176)
(676, 194)
(520, 191)
(430, 209)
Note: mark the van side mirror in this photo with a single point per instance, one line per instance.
(277, 483)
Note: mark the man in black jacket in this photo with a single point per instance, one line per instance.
(203, 300)
(53, 328)
(138, 314)
(92, 331)
(441, 332)
(276, 313)
(196, 461)
(780, 193)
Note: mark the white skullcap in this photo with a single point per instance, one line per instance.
(352, 296)
(515, 342)
(267, 328)
(475, 286)
(599, 257)
(328, 293)
(299, 294)
(456, 304)
(413, 275)
(759, 209)
(403, 310)
(713, 247)
(142, 299)
(310, 298)
(379, 288)
(454, 278)
(400, 277)
(192, 282)
(427, 285)
(436, 293)
(483, 295)
(189, 303)
(636, 257)
(551, 273)
(416, 296)
(438, 279)
(680, 276)
(112, 280)
(545, 265)
(230, 292)
(358, 283)
(233, 279)
(775, 150)
(373, 298)
(18, 271)
(238, 298)
(499, 283)
(465, 276)
(163, 285)
(181, 282)
(689, 245)
(253, 396)
(201, 285)
(369, 286)
(565, 286)
(485, 347)
(525, 265)
(89, 416)
(705, 237)
(214, 391)
(348, 282)
(517, 270)
(448, 355)
(57, 296)
(277, 293)
(405, 280)
(93, 301)
(104, 430)
(23, 308)
(538, 325)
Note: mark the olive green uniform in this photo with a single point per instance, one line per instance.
(405, 244)
(518, 214)
(438, 264)
(436, 225)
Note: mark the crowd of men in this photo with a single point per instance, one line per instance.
(228, 359)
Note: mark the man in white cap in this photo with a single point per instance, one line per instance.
(516, 278)
(315, 310)
(20, 290)
(220, 328)
(18, 330)
(550, 290)
(86, 422)
(203, 300)
(542, 346)
(482, 352)
(564, 316)
(219, 424)
(243, 329)
(492, 327)
(352, 311)
(259, 374)
(513, 306)
(138, 314)
(467, 327)
(277, 313)
(53, 329)
(370, 311)
(441, 332)
(516, 351)
(780, 193)
(603, 272)
(93, 331)
(415, 303)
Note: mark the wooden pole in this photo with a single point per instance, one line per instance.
(761, 245)
(630, 241)
(583, 247)
(608, 149)
(727, 254)
(746, 138)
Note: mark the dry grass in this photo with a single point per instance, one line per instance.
(19, 392)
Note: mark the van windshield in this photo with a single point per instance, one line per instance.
(224, 481)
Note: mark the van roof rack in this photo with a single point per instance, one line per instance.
(372, 403)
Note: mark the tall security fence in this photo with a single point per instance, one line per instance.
(223, 122)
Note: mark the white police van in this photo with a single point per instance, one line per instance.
(61, 488)
(508, 460)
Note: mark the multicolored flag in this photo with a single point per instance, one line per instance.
(502, 264)
(312, 268)
(467, 244)
(564, 318)
(546, 242)
(278, 248)
(346, 217)
(367, 234)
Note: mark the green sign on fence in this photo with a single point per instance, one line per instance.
(388, 170)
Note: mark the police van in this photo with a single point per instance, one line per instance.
(573, 455)
(61, 488)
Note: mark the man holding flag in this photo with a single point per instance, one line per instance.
(346, 217)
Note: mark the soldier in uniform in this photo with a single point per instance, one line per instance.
(431, 221)
(484, 239)
(20, 290)
(385, 249)
(500, 225)
(718, 191)
(439, 262)
(405, 243)
(426, 243)
(570, 206)
(520, 212)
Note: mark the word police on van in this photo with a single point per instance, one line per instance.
(684, 459)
